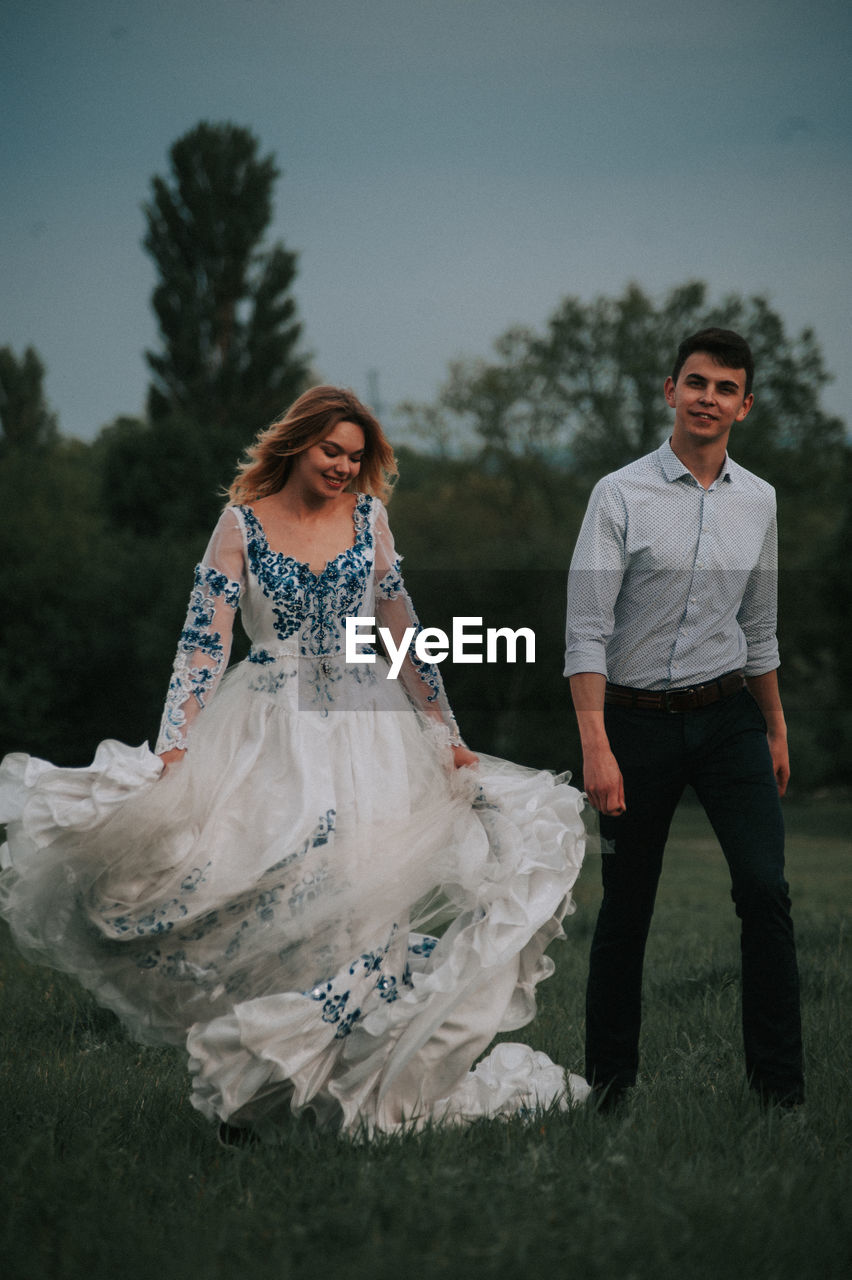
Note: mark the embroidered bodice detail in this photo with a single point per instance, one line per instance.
(312, 606)
(295, 619)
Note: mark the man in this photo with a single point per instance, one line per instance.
(672, 658)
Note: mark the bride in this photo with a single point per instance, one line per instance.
(263, 888)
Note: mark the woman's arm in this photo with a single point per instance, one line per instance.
(394, 610)
(204, 645)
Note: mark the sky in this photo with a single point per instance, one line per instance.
(450, 169)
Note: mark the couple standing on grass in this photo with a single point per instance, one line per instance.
(318, 888)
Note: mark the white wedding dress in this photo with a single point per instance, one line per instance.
(266, 901)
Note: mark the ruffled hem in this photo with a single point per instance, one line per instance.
(104, 861)
(47, 801)
(405, 1061)
(513, 1079)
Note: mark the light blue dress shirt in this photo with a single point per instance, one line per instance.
(672, 584)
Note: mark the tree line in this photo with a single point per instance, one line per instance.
(99, 539)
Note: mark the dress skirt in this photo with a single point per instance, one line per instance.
(313, 901)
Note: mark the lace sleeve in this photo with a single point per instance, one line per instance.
(421, 680)
(204, 645)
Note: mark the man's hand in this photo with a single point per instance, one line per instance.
(780, 760)
(603, 782)
(764, 690)
(602, 778)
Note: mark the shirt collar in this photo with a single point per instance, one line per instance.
(674, 469)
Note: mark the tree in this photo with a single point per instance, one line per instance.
(556, 410)
(229, 362)
(228, 365)
(590, 387)
(27, 422)
(228, 325)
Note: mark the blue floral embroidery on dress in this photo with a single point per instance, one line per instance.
(236, 941)
(262, 657)
(270, 681)
(427, 671)
(220, 585)
(370, 961)
(190, 883)
(153, 922)
(324, 828)
(391, 584)
(161, 919)
(266, 903)
(311, 606)
(307, 889)
(333, 1006)
(424, 947)
(481, 802)
(202, 926)
(421, 946)
(346, 1024)
(390, 588)
(192, 679)
(334, 1001)
(238, 983)
(251, 914)
(320, 836)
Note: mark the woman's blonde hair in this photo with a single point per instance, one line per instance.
(268, 462)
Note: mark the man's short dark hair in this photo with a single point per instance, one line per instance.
(723, 346)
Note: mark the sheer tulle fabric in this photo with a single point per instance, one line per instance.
(267, 901)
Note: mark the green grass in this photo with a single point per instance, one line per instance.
(107, 1171)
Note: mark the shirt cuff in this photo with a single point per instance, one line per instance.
(588, 657)
(762, 657)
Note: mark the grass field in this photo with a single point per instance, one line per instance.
(106, 1170)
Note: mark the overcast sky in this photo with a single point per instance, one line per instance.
(450, 168)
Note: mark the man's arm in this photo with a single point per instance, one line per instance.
(764, 690)
(602, 778)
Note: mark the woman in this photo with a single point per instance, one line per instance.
(259, 890)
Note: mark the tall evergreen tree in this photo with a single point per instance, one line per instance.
(27, 422)
(228, 364)
(229, 358)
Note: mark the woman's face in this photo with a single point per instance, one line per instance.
(330, 465)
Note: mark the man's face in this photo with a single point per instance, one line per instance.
(708, 398)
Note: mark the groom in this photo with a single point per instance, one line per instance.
(672, 658)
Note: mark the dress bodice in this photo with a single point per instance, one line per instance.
(286, 607)
(292, 614)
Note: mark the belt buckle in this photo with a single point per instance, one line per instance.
(669, 695)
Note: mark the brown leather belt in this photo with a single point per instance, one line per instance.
(674, 700)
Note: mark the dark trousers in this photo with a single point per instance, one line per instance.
(723, 753)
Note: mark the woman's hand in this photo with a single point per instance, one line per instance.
(174, 756)
(463, 758)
